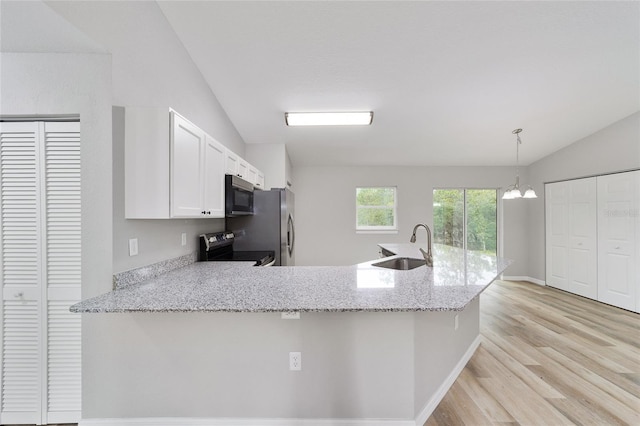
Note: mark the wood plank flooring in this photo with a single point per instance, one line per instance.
(547, 357)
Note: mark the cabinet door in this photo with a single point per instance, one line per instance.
(260, 180)
(582, 243)
(187, 177)
(557, 234)
(214, 178)
(231, 163)
(243, 169)
(252, 174)
(618, 272)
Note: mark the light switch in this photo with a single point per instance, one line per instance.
(184, 238)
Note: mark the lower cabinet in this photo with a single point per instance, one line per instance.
(593, 238)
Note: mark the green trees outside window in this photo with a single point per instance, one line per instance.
(376, 208)
(479, 231)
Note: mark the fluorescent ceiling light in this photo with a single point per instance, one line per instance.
(328, 118)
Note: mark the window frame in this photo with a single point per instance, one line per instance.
(499, 223)
(364, 229)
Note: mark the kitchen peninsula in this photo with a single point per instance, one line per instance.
(375, 343)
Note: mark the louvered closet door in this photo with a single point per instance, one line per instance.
(63, 258)
(21, 379)
(40, 229)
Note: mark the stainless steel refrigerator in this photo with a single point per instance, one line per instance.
(271, 227)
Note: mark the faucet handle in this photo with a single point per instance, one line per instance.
(428, 257)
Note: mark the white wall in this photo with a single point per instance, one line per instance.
(325, 207)
(612, 149)
(151, 68)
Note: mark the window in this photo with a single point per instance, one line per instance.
(466, 218)
(376, 209)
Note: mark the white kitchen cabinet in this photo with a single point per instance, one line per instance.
(259, 180)
(618, 248)
(40, 271)
(273, 160)
(238, 166)
(243, 169)
(173, 169)
(592, 241)
(187, 168)
(231, 161)
(252, 174)
(214, 177)
(571, 236)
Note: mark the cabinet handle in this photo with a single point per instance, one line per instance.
(208, 212)
(617, 247)
(18, 295)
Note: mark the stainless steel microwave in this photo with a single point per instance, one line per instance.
(238, 196)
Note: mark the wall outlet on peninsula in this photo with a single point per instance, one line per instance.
(295, 361)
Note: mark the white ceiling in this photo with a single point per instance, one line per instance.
(448, 81)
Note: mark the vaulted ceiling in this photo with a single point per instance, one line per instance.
(448, 81)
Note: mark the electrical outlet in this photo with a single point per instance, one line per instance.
(455, 322)
(295, 361)
(290, 315)
(184, 238)
(133, 247)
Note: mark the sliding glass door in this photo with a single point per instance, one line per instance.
(466, 218)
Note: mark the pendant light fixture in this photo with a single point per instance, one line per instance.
(513, 191)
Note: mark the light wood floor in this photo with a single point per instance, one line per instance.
(547, 358)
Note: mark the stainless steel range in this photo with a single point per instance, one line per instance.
(219, 247)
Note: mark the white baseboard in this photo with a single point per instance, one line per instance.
(187, 421)
(523, 278)
(432, 404)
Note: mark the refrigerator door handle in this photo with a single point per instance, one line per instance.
(291, 235)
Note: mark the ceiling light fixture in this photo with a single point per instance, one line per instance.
(513, 191)
(328, 118)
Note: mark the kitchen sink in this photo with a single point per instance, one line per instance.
(400, 263)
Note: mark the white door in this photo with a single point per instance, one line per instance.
(214, 178)
(582, 242)
(557, 234)
(618, 217)
(22, 272)
(63, 272)
(187, 146)
(40, 230)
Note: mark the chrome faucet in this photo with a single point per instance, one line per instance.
(428, 256)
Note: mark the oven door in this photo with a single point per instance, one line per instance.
(238, 196)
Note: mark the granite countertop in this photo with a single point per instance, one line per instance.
(458, 277)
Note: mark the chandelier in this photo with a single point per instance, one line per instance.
(513, 191)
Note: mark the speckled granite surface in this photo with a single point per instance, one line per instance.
(135, 276)
(456, 279)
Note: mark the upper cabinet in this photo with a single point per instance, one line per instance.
(238, 166)
(274, 161)
(173, 169)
